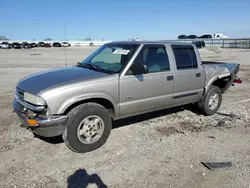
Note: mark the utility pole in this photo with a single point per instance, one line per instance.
(65, 57)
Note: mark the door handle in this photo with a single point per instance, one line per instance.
(198, 74)
(169, 78)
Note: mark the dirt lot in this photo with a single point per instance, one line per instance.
(162, 149)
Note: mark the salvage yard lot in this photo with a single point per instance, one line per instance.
(161, 149)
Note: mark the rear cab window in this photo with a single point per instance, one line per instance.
(185, 57)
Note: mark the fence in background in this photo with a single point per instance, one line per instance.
(223, 43)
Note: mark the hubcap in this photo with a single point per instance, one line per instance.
(213, 101)
(90, 129)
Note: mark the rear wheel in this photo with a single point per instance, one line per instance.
(211, 102)
(88, 127)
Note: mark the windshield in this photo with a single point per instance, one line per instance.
(111, 58)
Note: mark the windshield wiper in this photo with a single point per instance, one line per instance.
(89, 65)
(94, 67)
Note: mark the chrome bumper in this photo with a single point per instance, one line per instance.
(46, 126)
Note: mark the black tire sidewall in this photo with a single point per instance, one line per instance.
(207, 110)
(75, 119)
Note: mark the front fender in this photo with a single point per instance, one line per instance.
(81, 97)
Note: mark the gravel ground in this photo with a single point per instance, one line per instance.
(161, 149)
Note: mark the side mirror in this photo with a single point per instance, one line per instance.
(139, 68)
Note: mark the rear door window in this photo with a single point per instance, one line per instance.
(185, 57)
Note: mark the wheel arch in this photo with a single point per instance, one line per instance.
(223, 82)
(105, 100)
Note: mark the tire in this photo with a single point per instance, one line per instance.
(204, 105)
(77, 116)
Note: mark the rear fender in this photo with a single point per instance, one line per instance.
(228, 76)
(232, 70)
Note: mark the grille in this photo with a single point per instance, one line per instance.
(19, 93)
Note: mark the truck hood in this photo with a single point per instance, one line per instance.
(38, 82)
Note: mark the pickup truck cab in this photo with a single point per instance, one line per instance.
(118, 80)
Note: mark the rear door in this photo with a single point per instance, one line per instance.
(189, 79)
(151, 91)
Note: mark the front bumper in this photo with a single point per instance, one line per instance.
(47, 126)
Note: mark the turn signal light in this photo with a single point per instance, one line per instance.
(32, 122)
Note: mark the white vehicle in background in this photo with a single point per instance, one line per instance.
(220, 36)
(5, 45)
(65, 44)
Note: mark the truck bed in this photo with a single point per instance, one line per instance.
(222, 66)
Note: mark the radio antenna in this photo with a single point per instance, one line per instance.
(65, 56)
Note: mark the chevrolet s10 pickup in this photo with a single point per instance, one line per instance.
(119, 80)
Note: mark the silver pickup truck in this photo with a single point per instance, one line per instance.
(118, 80)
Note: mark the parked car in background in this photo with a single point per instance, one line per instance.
(182, 36)
(5, 45)
(192, 37)
(206, 36)
(199, 44)
(80, 102)
(16, 45)
(56, 44)
(47, 45)
(65, 44)
(26, 45)
(33, 45)
(91, 44)
(40, 44)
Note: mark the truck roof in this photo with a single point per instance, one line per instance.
(151, 42)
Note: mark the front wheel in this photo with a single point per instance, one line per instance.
(210, 104)
(88, 127)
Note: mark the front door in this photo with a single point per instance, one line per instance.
(151, 91)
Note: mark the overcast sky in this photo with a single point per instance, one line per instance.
(120, 20)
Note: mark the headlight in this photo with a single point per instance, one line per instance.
(33, 99)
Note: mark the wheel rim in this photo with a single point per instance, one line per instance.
(90, 129)
(213, 101)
